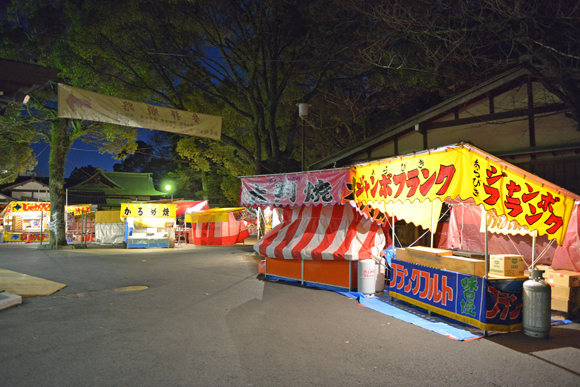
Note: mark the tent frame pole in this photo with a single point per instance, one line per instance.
(393, 229)
(486, 257)
(533, 249)
(486, 246)
(350, 276)
(432, 221)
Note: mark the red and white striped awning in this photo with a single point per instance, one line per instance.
(323, 233)
(219, 233)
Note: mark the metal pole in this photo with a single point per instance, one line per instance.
(82, 227)
(432, 216)
(486, 260)
(486, 246)
(393, 230)
(66, 214)
(41, 221)
(303, 141)
(393, 242)
(533, 249)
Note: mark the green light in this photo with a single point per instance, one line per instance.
(168, 187)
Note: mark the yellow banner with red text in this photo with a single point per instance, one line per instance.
(465, 173)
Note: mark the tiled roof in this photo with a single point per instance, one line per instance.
(86, 197)
(21, 180)
(120, 184)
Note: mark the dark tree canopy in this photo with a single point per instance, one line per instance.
(249, 61)
(82, 173)
(456, 42)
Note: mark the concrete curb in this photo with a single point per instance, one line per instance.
(7, 300)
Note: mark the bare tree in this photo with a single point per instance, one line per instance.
(455, 41)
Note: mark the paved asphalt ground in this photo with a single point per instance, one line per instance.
(207, 320)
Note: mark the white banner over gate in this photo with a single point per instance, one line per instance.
(90, 106)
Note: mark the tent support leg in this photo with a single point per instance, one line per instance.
(486, 246)
(432, 221)
(302, 273)
(350, 276)
(393, 229)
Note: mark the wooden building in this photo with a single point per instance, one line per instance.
(511, 116)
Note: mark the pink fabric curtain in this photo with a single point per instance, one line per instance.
(464, 233)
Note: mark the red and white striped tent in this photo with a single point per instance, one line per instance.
(335, 232)
(217, 226)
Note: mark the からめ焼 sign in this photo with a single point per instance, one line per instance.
(148, 210)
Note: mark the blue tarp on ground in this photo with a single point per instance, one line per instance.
(409, 313)
(418, 317)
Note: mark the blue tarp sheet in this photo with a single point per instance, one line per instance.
(409, 313)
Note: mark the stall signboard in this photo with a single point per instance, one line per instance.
(79, 209)
(489, 305)
(467, 173)
(148, 210)
(25, 236)
(29, 207)
(294, 189)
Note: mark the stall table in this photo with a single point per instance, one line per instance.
(493, 304)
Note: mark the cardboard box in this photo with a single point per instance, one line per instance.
(507, 265)
(562, 305)
(562, 278)
(565, 292)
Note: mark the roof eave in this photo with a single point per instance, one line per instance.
(477, 91)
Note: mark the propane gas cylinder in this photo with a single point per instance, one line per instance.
(537, 305)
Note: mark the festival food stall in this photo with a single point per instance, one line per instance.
(148, 225)
(27, 222)
(320, 240)
(444, 281)
(182, 229)
(80, 223)
(217, 226)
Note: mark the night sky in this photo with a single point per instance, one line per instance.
(80, 155)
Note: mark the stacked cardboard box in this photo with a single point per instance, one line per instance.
(506, 265)
(565, 289)
(17, 223)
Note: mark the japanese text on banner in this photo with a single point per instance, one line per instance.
(461, 173)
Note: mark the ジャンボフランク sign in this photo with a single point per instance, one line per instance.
(467, 173)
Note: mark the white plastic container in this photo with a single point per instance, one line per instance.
(367, 277)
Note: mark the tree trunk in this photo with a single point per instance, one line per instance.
(59, 144)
